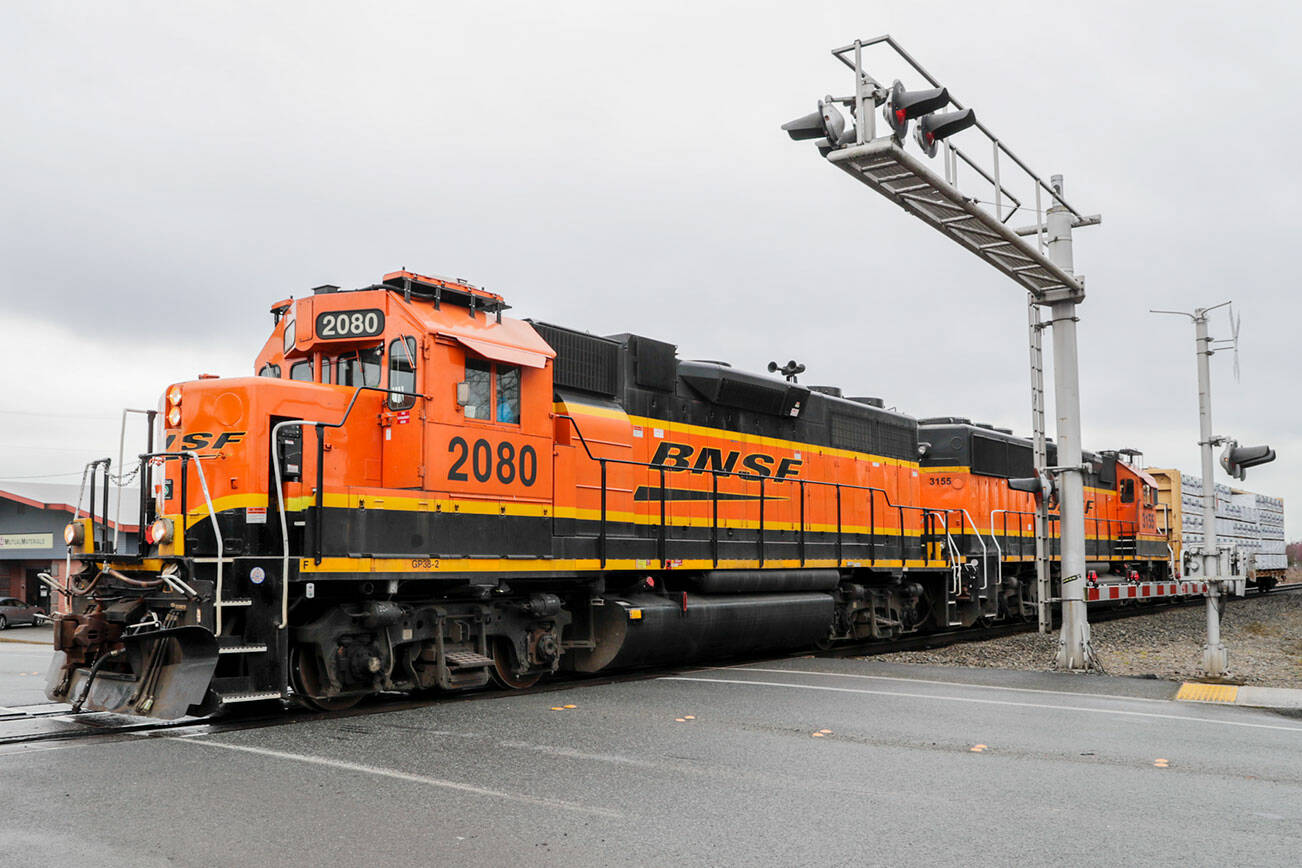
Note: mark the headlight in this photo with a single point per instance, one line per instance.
(174, 416)
(159, 532)
(174, 395)
(74, 533)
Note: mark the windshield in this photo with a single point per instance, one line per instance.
(360, 368)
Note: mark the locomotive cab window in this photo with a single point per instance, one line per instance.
(270, 370)
(490, 392)
(302, 371)
(402, 373)
(1127, 491)
(479, 389)
(508, 394)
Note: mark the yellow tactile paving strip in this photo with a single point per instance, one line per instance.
(1193, 692)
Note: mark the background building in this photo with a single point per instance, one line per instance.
(32, 519)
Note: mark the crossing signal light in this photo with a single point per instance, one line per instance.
(903, 106)
(827, 122)
(1041, 485)
(935, 128)
(1237, 459)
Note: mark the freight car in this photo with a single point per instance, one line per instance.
(419, 492)
(1249, 528)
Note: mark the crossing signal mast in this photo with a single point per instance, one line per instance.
(976, 214)
(1235, 461)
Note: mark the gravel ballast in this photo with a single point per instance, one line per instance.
(1263, 635)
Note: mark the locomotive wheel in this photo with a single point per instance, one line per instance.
(307, 679)
(504, 666)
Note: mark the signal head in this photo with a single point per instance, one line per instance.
(1237, 459)
(827, 122)
(935, 128)
(902, 106)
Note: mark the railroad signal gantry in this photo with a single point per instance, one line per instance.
(980, 224)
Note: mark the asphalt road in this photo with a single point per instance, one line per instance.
(24, 659)
(798, 762)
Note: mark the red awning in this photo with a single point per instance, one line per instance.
(502, 353)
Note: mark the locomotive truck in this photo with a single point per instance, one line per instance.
(417, 492)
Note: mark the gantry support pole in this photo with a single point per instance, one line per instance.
(1074, 648)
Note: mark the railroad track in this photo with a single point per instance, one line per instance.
(929, 641)
(24, 726)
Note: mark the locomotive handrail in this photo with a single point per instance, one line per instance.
(994, 537)
(602, 461)
(122, 442)
(81, 492)
(185, 455)
(985, 553)
(320, 486)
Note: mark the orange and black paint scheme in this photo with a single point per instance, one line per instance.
(417, 491)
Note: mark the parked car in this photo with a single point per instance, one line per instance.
(13, 612)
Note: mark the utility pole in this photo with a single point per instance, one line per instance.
(1073, 648)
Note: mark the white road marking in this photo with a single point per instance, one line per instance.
(929, 681)
(944, 698)
(406, 776)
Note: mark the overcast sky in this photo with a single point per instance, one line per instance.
(170, 170)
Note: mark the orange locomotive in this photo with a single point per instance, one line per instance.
(417, 491)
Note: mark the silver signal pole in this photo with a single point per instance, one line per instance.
(1073, 647)
(1216, 658)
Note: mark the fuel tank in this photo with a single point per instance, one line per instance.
(653, 629)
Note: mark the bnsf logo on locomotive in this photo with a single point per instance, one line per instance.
(678, 456)
(203, 439)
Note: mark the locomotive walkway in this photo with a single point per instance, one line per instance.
(802, 761)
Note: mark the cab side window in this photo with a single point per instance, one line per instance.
(302, 371)
(270, 370)
(479, 385)
(508, 394)
(1127, 491)
(326, 366)
(402, 373)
